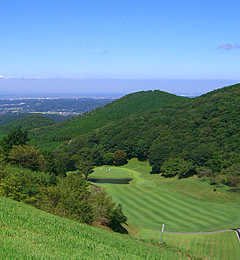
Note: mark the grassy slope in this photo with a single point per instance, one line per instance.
(224, 245)
(26, 232)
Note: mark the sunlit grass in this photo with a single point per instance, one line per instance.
(151, 200)
(223, 245)
(187, 205)
(26, 232)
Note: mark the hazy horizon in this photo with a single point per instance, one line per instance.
(98, 87)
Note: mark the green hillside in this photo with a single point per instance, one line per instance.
(132, 104)
(8, 118)
(172, 148)
(203, 130)
(26, 123)
(26, 232)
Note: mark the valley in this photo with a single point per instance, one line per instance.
(154, 158)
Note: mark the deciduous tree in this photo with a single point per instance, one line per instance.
(27, 156)
(119, 157)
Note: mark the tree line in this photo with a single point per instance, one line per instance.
(200, 136)
(39, 178)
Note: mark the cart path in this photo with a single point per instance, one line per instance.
(197, 233)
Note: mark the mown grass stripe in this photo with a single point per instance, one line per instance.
(189, 205)
(184, 202)
(200, 208)
(199, 217)
(131, 206)
(130, 212)
(165, 213)
(171, 208)
(165, 209)
(145, 216)
(189, 213)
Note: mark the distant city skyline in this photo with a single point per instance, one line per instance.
(168, 41)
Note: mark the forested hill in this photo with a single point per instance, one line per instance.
(132, 104)
(204, 131)
(26, 123)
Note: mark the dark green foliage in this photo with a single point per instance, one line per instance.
(70, 198)
(84, 161)
(204, 172)
(143, 149)
(64, 161)
(8, 118)
(84, 153)
(27, 122)
(117, 217)
(108, 158)
(102, 205)
(84, 167)
(27, 156)
(119, 158)
(158, 155)
(232, 175)
(132, 104)
(2, 156)
(50, 164)
(22, 184)
(15, 137)
(177, 166)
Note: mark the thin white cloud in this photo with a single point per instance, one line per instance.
(11, 77)
(4, 77)
(227, 46)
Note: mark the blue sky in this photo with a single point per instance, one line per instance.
(101, 39)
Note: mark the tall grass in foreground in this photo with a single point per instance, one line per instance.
(26, 232)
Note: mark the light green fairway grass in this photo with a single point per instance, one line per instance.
(188, 205)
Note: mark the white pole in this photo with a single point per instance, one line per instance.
(162, 234)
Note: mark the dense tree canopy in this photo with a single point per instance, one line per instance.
(15, 137)
(203, 132)
(27, 157)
